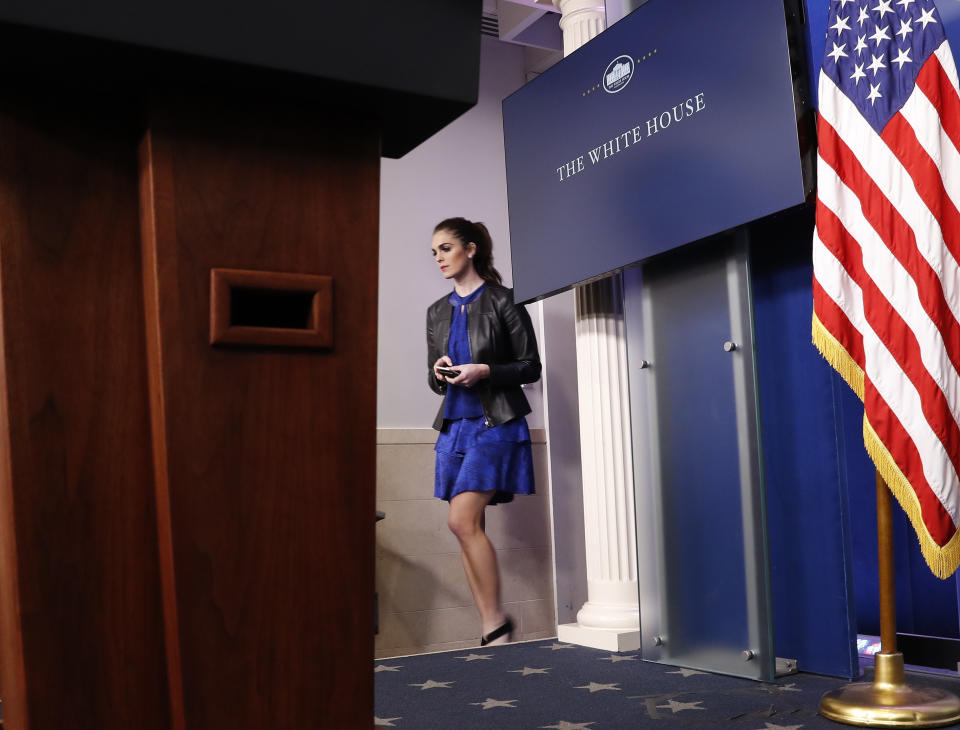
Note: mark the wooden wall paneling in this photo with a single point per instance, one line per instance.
(154, 169)
(13, 681)
(269, 472)
(80, 583)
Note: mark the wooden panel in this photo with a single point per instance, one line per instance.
(267, 473)
(79, 583)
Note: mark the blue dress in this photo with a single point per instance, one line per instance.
(470, 455)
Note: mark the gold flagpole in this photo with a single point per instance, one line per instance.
(889, 701)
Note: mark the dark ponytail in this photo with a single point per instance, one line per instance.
(467, 232)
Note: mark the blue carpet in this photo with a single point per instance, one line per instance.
(545, 684)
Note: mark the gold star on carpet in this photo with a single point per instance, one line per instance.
(384, 721)
(490, 703)
(474, 657)
(385, 668)
(614, 658)
(676, 707)
(594, 687)
(555, 646)
(527, 671)
(771, 726)
(792, 687)
(430, 684)
(686, 672)
(564, 725)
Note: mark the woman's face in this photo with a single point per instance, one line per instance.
(452, 256)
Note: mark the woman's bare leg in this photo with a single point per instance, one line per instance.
(466, 521)
(471, 579)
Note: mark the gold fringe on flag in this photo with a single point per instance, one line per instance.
(943, 561)
(839, 359)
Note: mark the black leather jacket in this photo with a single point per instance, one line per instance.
(501, 336)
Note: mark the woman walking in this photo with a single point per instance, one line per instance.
(480, 349)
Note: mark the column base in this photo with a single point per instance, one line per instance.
(607, 639)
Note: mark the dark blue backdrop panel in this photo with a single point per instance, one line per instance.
(816, 16)
(701, 138)
(810, 553)
(950, 15)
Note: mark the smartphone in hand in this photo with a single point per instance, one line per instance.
(448, 372)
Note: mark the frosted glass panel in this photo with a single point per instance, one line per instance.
(703, 559)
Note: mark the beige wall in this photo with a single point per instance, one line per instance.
(460, 171)
(425, 602)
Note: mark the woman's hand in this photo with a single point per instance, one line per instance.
(470, 374)
(443, 362)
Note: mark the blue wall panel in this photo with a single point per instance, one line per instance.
(925, 605)
(810, 551)
(821, 493)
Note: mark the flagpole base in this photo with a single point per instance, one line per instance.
(889, 701)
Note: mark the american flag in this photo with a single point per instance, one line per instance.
(886, 248)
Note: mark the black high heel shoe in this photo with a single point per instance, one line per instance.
(505, 628)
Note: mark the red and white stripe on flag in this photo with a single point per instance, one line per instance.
(886, 289)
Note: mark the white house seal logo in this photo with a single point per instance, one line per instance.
(618, 74)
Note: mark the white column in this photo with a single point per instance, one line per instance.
(610, 619)
(580, 20)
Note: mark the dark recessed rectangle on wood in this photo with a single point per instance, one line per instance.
(270, 308)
